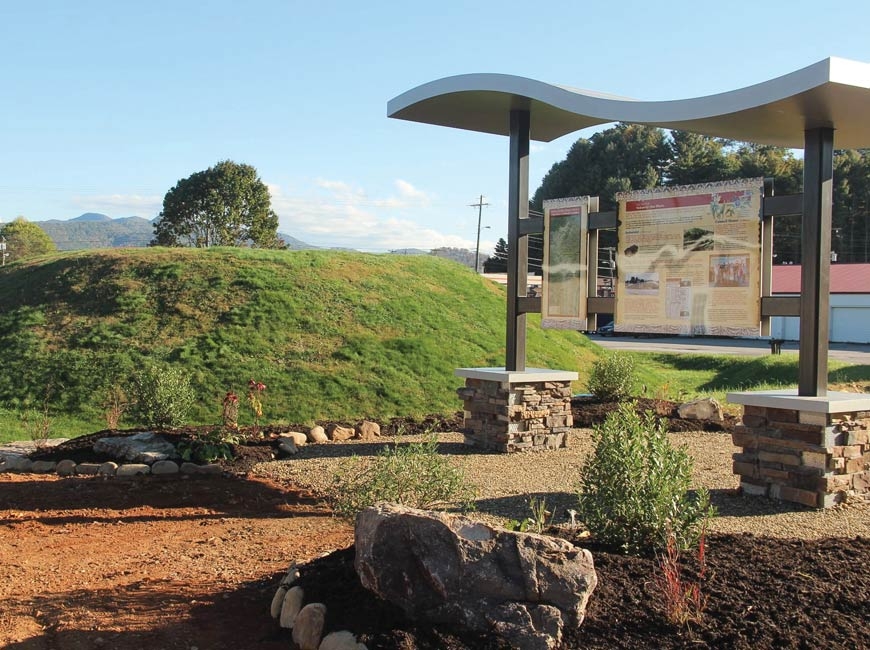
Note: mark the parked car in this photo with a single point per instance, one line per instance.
(605, 330)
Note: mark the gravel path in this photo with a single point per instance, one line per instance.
(506, 482)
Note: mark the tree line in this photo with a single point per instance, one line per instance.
(633, 157)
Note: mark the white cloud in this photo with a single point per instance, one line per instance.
(337, 213)
(120, 205)
(408, 191)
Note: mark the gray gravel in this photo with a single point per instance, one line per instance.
(506, 482)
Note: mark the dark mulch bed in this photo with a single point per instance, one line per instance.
(588, 411)
(763, 593)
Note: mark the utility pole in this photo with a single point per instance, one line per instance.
(479, 205)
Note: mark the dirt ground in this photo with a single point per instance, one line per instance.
(173, 564)
(183, 564)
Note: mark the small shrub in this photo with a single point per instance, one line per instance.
(38, 426)
(115, 404)
(634, 487)
(161, 396)
(683, 600)
(209, 447)
(613, 377)
(414, 475)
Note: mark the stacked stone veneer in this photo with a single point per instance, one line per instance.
(812, 458)
(516, 415)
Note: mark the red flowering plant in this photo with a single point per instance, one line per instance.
(255, 401)
(230, 410)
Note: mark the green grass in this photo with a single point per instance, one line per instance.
(684, 376)
(333, 335)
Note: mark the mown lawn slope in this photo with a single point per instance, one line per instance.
(333, 335)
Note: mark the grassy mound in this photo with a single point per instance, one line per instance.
(332, 334)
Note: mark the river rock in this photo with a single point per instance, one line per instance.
(297, 437)
(366, 430)
(145, 447)
(109, 468)
(291, 606)
(43, 466)
(308, 629)
(277, 602)
(317, 434)
(66, 467)
(287, 446)
(337, 432)
(342, 640)
(164, 467)
(17, 464)
(703, 408)
(131, 470)
(448, 569)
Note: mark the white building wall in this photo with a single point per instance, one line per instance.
(850, 320)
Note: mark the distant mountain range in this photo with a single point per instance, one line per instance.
(95, 230)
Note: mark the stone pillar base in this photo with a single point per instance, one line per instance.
(809, 450)
(510, 411)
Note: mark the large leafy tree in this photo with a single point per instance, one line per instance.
(225, 205)
(25, 239)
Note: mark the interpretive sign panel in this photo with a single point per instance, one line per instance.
(566, 224)
(689, 260)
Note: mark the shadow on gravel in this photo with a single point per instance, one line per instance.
(350, 448)
(251, 498)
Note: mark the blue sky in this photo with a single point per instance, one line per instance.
(106, 105)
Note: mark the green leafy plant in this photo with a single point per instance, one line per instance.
(210, 446)
(634, 488)
(161, 396)
(683, 599)
(538, 522)
(613, 376)
(414, 475)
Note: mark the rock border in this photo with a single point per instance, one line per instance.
(307, 620)
(66, 468)
(17, 460)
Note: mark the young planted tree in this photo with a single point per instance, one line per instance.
(225, 205)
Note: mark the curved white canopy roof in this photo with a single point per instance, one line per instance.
(831, 93)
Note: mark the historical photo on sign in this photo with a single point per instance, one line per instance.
(643, 284)
(729, 271)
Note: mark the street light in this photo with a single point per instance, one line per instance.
(477, 251)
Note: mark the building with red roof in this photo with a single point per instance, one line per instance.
(849, 302)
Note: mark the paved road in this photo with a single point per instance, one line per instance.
(847, 352)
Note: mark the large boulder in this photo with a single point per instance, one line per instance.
(145, 447)
(703, 408)
(448, 569)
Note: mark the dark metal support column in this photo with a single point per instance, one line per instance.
(518, 245)
(816, 262)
